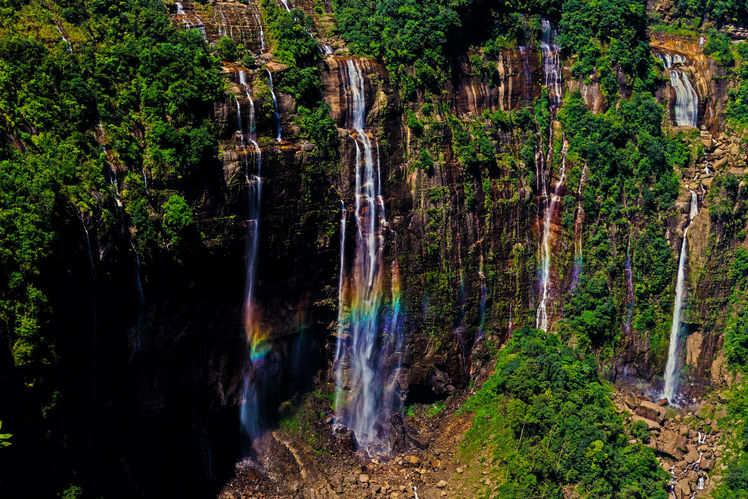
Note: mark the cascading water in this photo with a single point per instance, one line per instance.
(370, 341)
(552, 77)
(578, 223)
(276, 114)
(686, 98)
(541, 318)
(551, 63)
(258, 19)
(62, 35)
(671, 369)
(255, 339)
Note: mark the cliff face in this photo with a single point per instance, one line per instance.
(467, 244)
(467, 241)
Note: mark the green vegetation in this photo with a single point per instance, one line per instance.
(402, 33)
(101, 138)
(544, 421)
(632, 169)
(721, 11)
(734, 483)
(607, 35)
(5, 438)
(737, 107)
(147, 89)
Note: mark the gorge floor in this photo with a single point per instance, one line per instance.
(306, 460)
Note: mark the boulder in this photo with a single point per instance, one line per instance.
(650, 410)
(671, 444)
(652, 425)
(683, 489)
(692, 455)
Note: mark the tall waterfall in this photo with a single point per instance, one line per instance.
(541, 316)
(255, 339)
(276, 114)
(369, 343)
(671, 369)
(552, 78)
(686, 98)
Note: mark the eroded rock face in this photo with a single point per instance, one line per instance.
(514, 84)
(589, 89)
(238, 21)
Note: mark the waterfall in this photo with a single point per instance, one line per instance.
(256, 13)
(483, 293)
(222, 25)
(541, 317)
(275, 107)
(286, 6)
(181, 13)
(255, 339)
(629, 289)
(341, 295)
(578, 222)
(686, 98)
(551, 63)
(368, 354)
(62, 34)
(552, 79)
(671, 369)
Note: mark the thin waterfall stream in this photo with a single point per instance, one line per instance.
(628, 271)
(578, 225)
(276, 114)
(671, 368)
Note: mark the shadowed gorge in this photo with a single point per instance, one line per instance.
(401, 249)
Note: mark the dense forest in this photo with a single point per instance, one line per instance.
(345, 248)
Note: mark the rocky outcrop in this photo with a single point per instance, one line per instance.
(706, 76)
(514, 84)
(687, 444)
(651, 411)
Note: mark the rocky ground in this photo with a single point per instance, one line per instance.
(686, 440)
(313, 463)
